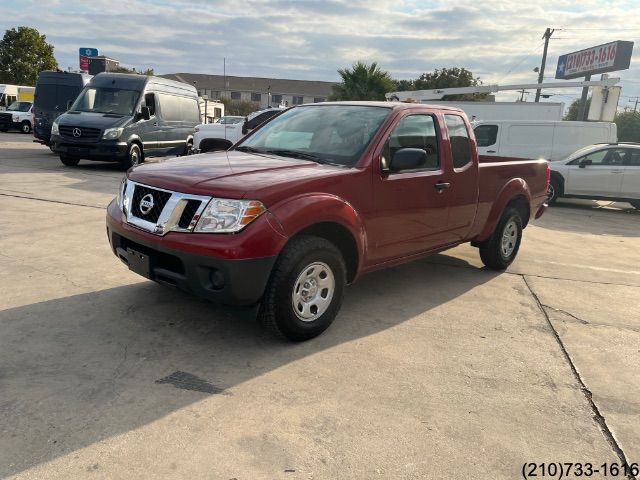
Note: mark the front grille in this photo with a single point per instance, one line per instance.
(85, 132)
(160, 199)
(6, 119)
(188, 213)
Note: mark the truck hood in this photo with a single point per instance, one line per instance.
(234, 174)
(92, 120)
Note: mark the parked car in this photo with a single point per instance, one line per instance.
(55, 92)
(17, 117)
(211, 137)
(315, 198)
(126, 118)
(599, 172)
(552, 140)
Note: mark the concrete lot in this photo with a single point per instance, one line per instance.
(437, 369)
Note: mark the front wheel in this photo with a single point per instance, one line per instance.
(69, 161)
(25, 127)
(502, 247)
(305, 290)
(636, 204)
(133, 158)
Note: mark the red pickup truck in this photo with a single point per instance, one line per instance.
(316, 197)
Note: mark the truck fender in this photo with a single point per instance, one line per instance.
(514, 188)
(303, 211)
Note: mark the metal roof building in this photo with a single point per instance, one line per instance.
(263, 91)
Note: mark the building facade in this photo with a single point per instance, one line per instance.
(265, 92)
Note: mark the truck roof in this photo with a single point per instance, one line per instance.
(133, 81)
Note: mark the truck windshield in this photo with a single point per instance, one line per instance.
(106, 100)
(335, 134)
(19, 107)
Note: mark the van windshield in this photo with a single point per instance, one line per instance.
(106, 100)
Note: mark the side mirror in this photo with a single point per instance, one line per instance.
(408, 159)
(145, 112)
(584, 162)
(69, 103)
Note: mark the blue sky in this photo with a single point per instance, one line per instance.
(500, 41)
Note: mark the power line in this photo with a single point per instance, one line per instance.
(521, 61)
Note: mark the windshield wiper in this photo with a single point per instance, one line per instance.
(243, 148)
(298, 154)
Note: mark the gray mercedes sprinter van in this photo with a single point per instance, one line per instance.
(126, 118)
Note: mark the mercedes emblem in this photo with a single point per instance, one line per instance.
(77, 132)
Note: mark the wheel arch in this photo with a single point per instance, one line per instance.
(514, 193)
(561, 180)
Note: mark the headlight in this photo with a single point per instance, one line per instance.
(16, 118)
(121, 191)
(54, 128)
(224, 216)
(112, 133)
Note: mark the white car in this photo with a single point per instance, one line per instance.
(210, 137)
(600, 172)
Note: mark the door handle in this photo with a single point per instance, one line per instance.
(617, 171)
(491, 151)
(155, 124)
(440, 186)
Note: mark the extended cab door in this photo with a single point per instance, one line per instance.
(462, 194)
(597, 174)
(488, 139)
(409, 207)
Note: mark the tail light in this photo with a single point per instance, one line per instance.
(548, 182)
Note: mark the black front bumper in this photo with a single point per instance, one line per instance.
(104, 150)
(223, 281)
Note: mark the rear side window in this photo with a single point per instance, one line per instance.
(179, 109)
(633, 157)
(486, 135)
(459, 138)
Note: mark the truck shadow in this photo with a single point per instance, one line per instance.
(81, 369)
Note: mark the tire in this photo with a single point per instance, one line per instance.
(133, 158)
(554, 191)
(4, 129)
(500, 250)
(305, 290)
(25, 127)
(635, 204)
(69, 161)
(188, 149)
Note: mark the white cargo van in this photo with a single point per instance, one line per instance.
(551, 140)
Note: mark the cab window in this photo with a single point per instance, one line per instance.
(414, 131)
(459, 138)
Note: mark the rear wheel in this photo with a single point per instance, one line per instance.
(133, 158)
(636, 204)
(554, 191)
(500, 250)
(25, 127)
(305, 290)
(69, 161)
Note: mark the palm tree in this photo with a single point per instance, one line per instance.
(362, 82)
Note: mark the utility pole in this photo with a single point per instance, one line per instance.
(547, 35)
(583, 112)
(635, 107)
(522, 94)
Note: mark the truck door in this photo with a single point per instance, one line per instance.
(596, 174)
(488, 139)
(462, 195)
(409, 207)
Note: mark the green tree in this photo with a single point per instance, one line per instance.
(574, 109)
(238, 107)
(121, 69)
(628, 124)
(24, 53)
(362, 82)
(450, 78)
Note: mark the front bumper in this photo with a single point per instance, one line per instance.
(104, 150)
(228, 281)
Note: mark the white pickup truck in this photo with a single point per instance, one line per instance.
(18, 116)
(211, 137)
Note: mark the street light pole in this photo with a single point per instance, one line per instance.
(547, 35)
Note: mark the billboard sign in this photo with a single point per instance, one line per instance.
(85, 54)
(608, 57)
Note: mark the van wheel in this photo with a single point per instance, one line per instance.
(554, 191)
(636, 204)
(188, 148)
(133, 158)
(69, 161)
(500, 250)
(25, 127)
(305, 290)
